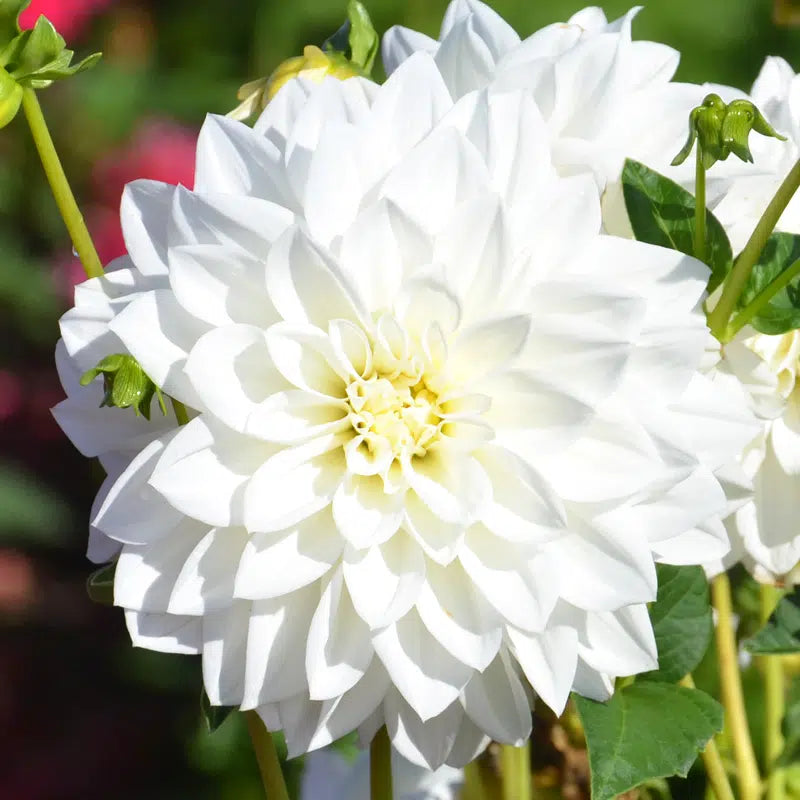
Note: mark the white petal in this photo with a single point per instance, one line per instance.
(294, 484)
(384, 581)
(274, 564)
(399, 43)
(165, 633)
(364, 513)
(427, 676)
(496, 702)
(144, 213)
(224, 643)
(549, 660)
(456, 613)
(470, 742)
(620, 642)
(278, 629)
(339, 650)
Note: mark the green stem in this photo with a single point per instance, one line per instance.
(736, 281)
(380, 767)
(732, 694)
(59, 185)
(715, 770)
(267, 757)
(515, 765)
(761, 300)
(773, 704)
(700, 207)
(180, 412)
(481, 781)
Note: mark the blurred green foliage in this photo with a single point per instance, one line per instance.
(94, 718)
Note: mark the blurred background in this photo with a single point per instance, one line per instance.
(82, 714)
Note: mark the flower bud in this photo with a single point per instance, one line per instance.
(722, 129)
(125, 384)
(314, 65)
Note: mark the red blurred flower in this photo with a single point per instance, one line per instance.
(70, 17)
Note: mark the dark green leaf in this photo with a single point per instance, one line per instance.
(682, 621)
(213, 716)
(791, 727)
(100, 585)
(781, 634)
(645, 731)
(662, 212)
(10, 98)
(782, 313)
(363, 38)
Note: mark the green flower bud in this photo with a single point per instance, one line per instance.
(125, 384)
(722, 129)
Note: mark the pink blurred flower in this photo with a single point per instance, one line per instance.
(70, 17)
(160, 150)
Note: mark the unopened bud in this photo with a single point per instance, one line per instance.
(722, 129)
(125, 384)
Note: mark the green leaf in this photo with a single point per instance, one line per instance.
(645, 731)
(9, 18)
(662, 212)
(682, 621)
(781, 634)
(213, 716)
(43, 46)
(791, 728)
(363, 38)
(782, 313)
(10, 98)
(100, 585)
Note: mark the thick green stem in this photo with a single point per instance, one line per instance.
(481, 781)
(774, 701)
(700, 207)
(59, 185)
(736, 281)
(732, 695)
(715, 770)
(380, 767)
(267, 757)
(515, 765)
(756, 305)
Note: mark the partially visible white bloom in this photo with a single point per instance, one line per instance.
(445, 428)
(327, 776)
(764, 530)
(776, 92)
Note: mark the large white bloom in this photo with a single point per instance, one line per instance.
(445, 428)
(327, 776)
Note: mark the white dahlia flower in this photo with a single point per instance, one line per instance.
(444, 427)
(327, 776)
(763, 531)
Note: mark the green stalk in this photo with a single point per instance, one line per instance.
(380, 767)
(761, 300)
(481, 781)
(715, 770)
(515, 765)
(774, 701)
(736, 281)
(732, 694)
(267, 757)
(700, 207)
(59, 185)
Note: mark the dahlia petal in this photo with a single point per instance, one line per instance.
(549, 660)
(487, 347)
(592, 684)
(295, 416)
(399, 43)
(464, 58)
(205, 582)
(165, 633)
(427, 676)
(498, 35)
(620, 642)
(275, 668)
(469, 743)
(205, 469)
(456, 614)
(294, 484)
(384, 581)
(441, 541)
(426, 742)
(520, 587)
(364, 513)
(144, 213)
(339, 650)
(224, 643)
(274, 564)
(496, 702)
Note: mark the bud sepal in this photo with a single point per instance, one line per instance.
(126, 385)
